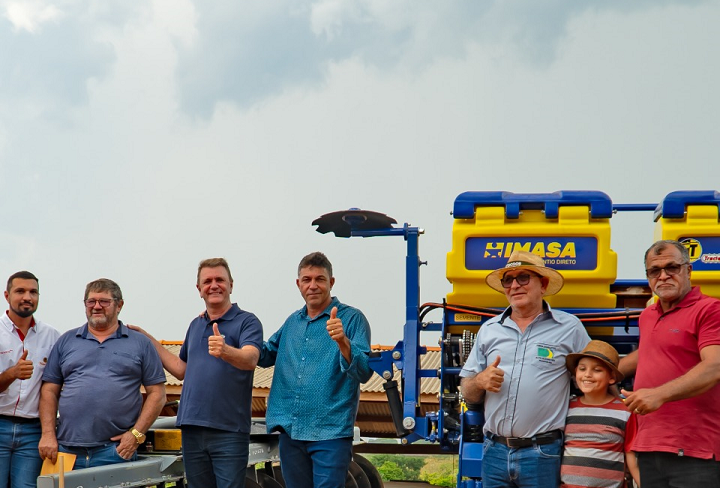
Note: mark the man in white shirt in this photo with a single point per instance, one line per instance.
(25, 345)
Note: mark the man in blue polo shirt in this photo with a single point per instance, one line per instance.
(216, 363)
(93, 377)
(321, 357)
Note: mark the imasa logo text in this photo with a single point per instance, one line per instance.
(483, 253)
(542, 249)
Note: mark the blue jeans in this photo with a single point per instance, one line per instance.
(318, 464)
(214, 458)
(668, 470)
(527, 467)
(90, 457)
(20, 460)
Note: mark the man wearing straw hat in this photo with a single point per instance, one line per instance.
(517, 369)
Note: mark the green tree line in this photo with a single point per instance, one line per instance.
(436, 470)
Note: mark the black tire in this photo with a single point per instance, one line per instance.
(350, 481)
(267, 481)
(277, 474)
(251, 483)
(361, 479)
(373, 475)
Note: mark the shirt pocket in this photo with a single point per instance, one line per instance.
(124, 364)
(547, 356)
(40, 356)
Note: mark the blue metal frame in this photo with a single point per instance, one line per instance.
(408, 349)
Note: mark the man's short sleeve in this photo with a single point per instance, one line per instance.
(152, 368)
(251, 332)
(52, 372)
(581, 337)
(476, 362)
(709, 326)
(183, 354)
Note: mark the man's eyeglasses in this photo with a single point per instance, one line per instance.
(522, 279)
(104, 302)
(670, 270)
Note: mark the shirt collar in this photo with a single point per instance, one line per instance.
(688, 300)
(122, 331)
(232, 312)
(334, 302)
(10, 325)
(546, 309)
(7, 323)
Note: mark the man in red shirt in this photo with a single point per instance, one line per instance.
(677, 366)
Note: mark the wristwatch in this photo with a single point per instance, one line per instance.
(139, 436)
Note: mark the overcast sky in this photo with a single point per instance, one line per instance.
(137, 138)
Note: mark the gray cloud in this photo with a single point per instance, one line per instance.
(245, 53)
(46, 69)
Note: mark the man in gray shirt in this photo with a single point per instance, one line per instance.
(517, 368)
(92, 378)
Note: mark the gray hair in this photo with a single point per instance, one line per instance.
(318, 260)
(104, 285)
(659, 246)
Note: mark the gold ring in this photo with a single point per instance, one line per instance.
(637, 411)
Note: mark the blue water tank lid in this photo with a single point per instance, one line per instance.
(466, 203)
(675, 203)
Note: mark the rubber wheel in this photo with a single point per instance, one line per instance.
(251, 483)
(373, 475)
(277, 474)
(360, 477)
(350, 481)
(267, 481)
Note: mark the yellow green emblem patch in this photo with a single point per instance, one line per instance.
(544, 352)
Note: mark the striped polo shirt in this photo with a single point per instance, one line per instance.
(594, 453)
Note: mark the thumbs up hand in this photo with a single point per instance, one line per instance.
(335, 327)
(23, 369)
(216, 342)
(492, 377)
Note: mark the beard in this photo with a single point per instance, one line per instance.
(98, 322)
(24, 313)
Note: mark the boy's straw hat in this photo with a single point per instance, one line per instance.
(599, 350)
(531, 262)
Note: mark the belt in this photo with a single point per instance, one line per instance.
(19, 420)
(515, 442)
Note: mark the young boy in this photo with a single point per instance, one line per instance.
(595, 431)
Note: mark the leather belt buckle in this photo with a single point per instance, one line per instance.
(519, 442)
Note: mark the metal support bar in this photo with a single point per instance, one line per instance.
(411, 349)
(149, 471)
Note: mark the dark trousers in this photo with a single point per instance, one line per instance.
(315, 464)
(214, 458)
(668, 470)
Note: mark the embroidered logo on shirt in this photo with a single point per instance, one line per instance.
(545, 352)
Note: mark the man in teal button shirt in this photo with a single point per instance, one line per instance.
(321, 358)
